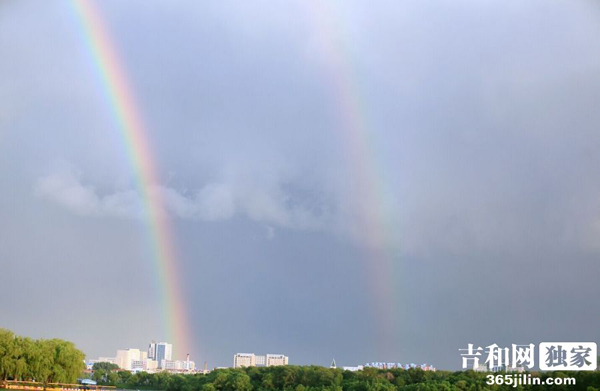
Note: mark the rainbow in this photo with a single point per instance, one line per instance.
(371, 203)
(120, 98)
(370, 191)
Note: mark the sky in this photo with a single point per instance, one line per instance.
(366, 182)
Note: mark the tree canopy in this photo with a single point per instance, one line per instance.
(313, 378)
(42, 360)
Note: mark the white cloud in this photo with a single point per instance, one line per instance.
(66, 189)
(213, 202)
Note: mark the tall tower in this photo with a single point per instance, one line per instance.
(163, 352)
(333, 366)
(152, 351)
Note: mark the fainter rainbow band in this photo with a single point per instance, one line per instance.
(356, 138)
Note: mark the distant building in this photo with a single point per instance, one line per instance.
(393, 365)
(144, 365)
(276, 359)
(164, 351)
(151, 365)
(241, 360)
(261, 361)
(152, 350)
(137, 365)
(135, 360)
(124, 358)
(333, 366)
(353, 369)
(178, 366)
(158, 357)
(481, 368)
(505, 368)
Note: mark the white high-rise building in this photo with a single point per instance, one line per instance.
(124, 358)
(152, 350)
(241, 360)
(276, 359)
(164, 351)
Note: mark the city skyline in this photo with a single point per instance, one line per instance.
(158, 357)
(376, 183)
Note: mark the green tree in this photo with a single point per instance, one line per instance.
(208, 387)
(6, 354)
(239, 381)
(99, 376)
(68, 361)
(40, 361)
(112, 378)
(21, 346)
(124, 376)
(105, 366)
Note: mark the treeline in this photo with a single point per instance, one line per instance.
(41, 360)
(313, 378)
(109, 374)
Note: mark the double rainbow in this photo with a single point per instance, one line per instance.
(354, 133)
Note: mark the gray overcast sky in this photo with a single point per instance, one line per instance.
(482, 121)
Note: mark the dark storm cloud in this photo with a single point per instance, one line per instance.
(483, 123)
